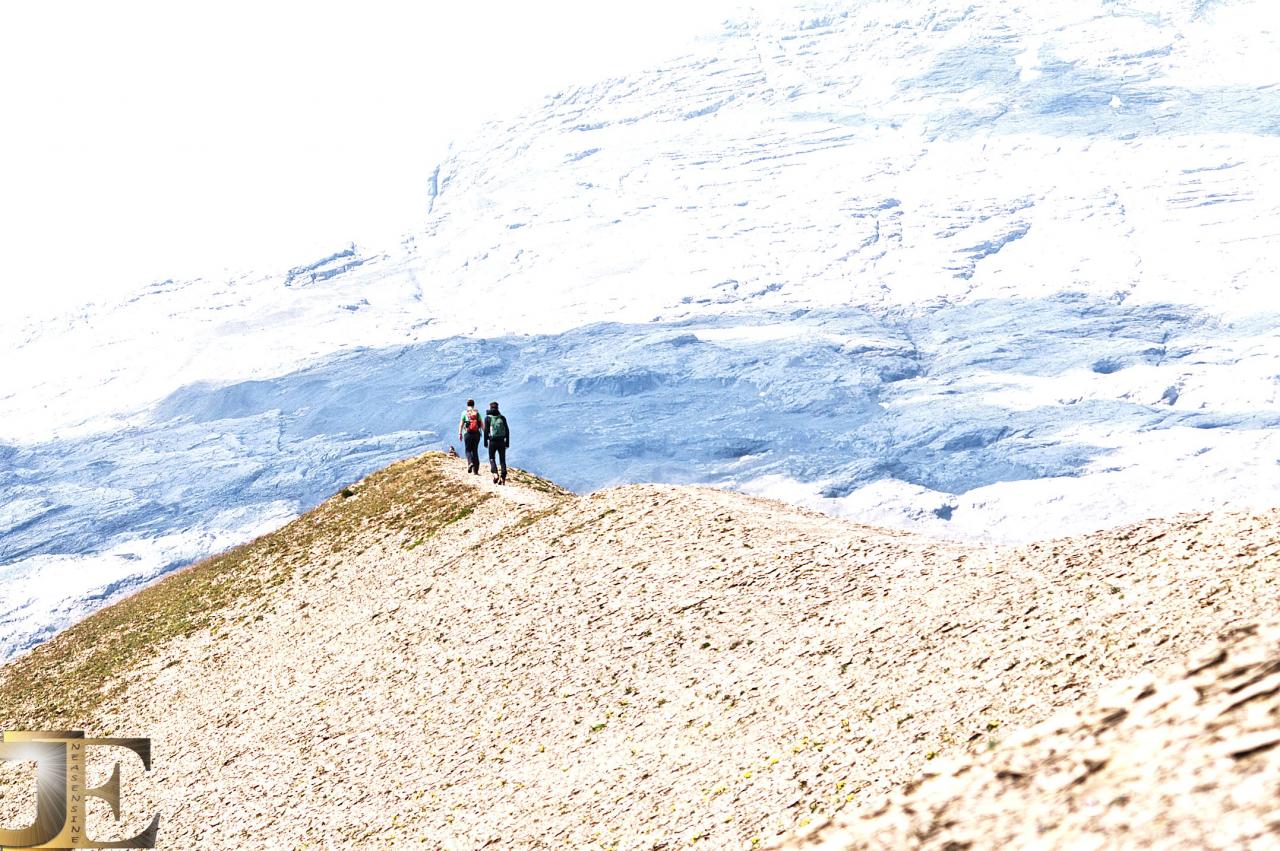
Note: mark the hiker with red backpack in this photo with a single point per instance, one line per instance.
(469, 432)
(497, 436)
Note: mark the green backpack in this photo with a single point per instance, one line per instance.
(498, 426)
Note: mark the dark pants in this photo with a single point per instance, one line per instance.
(498, 454)
(472, 439)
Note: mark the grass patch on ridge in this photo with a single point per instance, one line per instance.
(63, 682)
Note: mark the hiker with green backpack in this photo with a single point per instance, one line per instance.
(497, 436)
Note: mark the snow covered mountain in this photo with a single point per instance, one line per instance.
(995, 271)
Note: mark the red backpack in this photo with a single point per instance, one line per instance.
(473, 420)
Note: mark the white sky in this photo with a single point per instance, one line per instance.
(148, 140)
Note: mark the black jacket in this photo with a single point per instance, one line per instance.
(488, 423)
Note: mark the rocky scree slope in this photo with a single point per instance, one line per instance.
(430, 661)
(1190, 762)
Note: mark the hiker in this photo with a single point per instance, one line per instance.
(469, 432)
(497, 436)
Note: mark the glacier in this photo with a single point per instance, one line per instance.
(995, 271)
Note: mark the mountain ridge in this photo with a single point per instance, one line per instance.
(647, 664)
(964, 269)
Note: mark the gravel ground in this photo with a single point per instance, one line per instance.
(1190, 762)
(645, 667)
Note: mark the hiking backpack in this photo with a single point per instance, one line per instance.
(473, 420)
(498, 426)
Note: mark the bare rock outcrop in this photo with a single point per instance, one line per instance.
(1189, 762)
